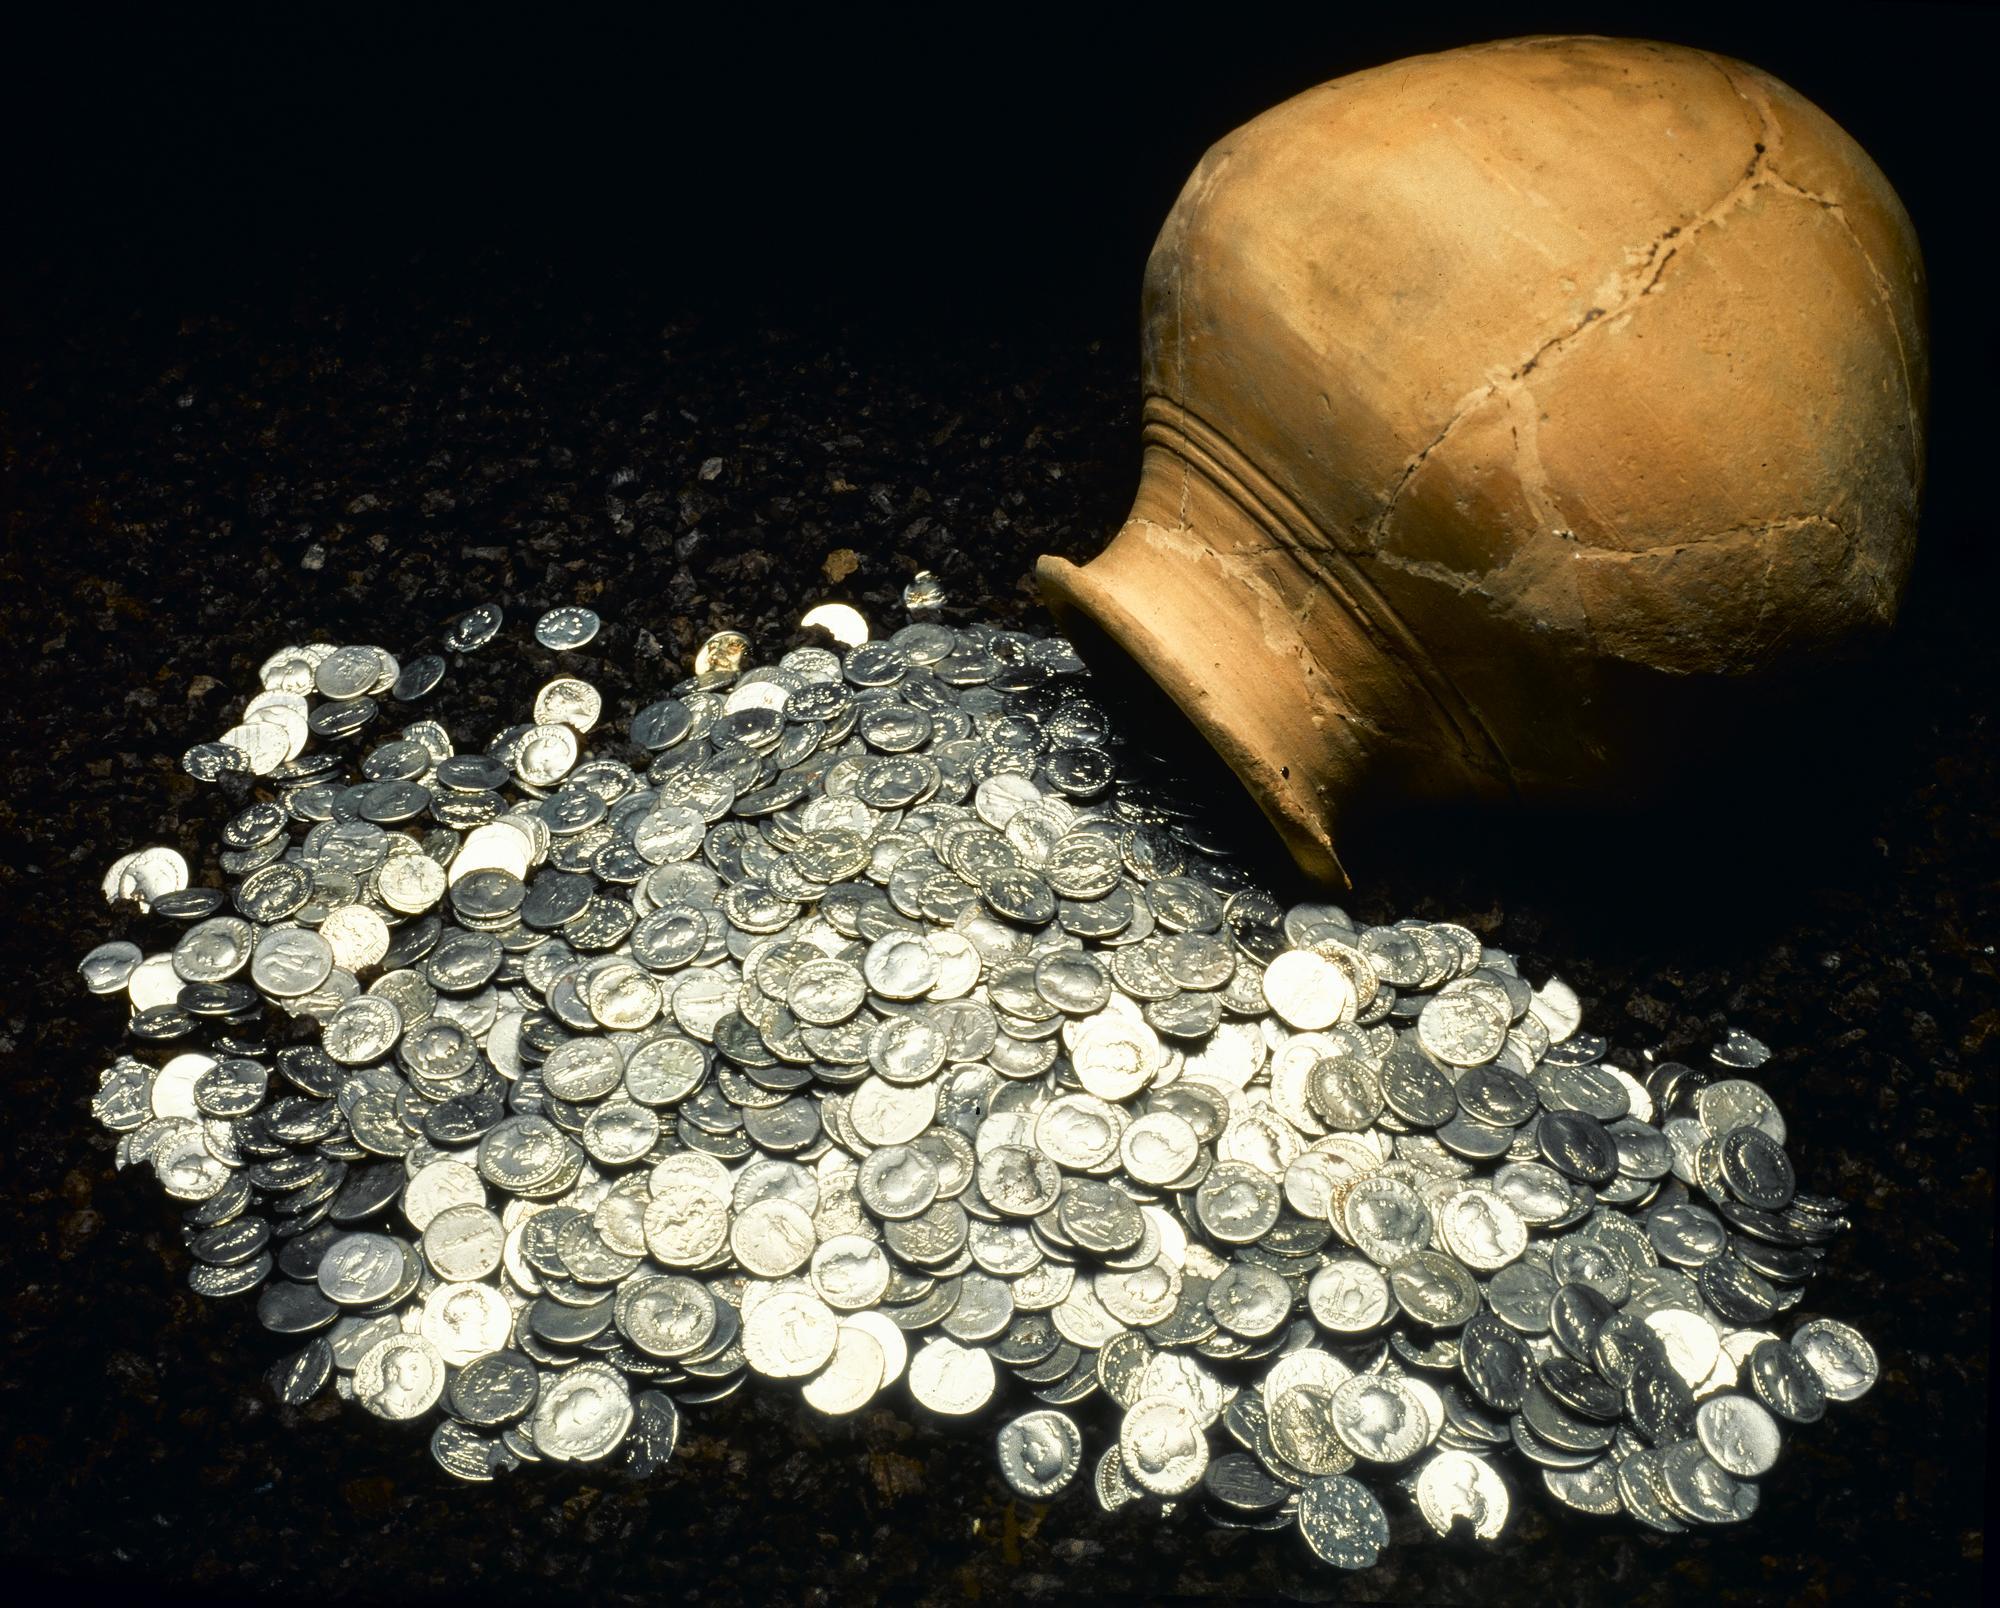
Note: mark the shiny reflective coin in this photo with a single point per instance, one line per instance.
(1482, 1229)
(566, 628)
(1454, 1487)
(464, 1320)
(1700, 1489)
(474, 628)
(1642, 1490)
(852, 1375)
(1302, 1428)
(400, 1377)
(666, 1316)
(723, 652)
(1162, 1446)
(841, 621)
(1308, 991)
(1740, 1049)
(1461, 1029)
(1844, 1361)
(1786, 1382)
(583, 1414)
(1349, 1296)
(790, 1335)
(1756, 1169)
(144, 876)
(951, 1379)
(1691, 1347)
(290, 961)
(362, 1269)
(1385, 1219)
(1434, 1290)
(108, 967)
(771, 1238)
(302, 1376)
(495, 1389)
(1739, 1434)
(1379, 1419)
(1040, 1453)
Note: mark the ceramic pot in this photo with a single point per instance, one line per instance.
(1509, 412)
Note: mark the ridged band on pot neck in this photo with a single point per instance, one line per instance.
(1286, 661)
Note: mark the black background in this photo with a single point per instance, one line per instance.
(333, 326)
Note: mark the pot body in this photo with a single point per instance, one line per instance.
(1508, 411)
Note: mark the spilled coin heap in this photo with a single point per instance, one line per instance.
(888, 1021)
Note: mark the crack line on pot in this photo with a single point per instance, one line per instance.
(1640, 280)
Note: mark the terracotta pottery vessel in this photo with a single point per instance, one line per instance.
(1508, 413)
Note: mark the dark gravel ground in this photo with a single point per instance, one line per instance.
(188, 493)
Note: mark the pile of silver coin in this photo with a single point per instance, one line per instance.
(886, 1023)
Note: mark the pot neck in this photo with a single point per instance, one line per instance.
(1227, 596)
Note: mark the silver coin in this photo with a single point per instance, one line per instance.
(401, 1377)
(790, 1335)
(1739, 1434)
(566, 628)
(1843, 1359)
(1342, 1521)
(290, 961)
(1040, 1453)
(1302, 1428)
(1308, 991)
(1455, 1485)
(852, 1376)
(1379, 1419)
(464, 1241)
(362, 1269)
(1348, 1296)
(466, 1319)
(772, 1238)
(583, 1415)
(1162, 1446)
(1482, 1229)
(951, 1379)
(108, 967)
(145, 875)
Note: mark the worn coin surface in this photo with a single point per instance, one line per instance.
(1342, 1521)
(402, 1376)
(1040, 1453)
(1843, 1359)
(1163, 1446)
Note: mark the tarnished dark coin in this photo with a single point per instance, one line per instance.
(1342, 1521)
(495, 1389)
(1579, 1390)
(1576, 1313)
(303, 1375)
(1786, 1383)
(1238, 1481)
(1756, 1168)
(1658, 1401)
(1577, 1145)
(1496, 1364)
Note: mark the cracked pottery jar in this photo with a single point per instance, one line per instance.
(1512, 415)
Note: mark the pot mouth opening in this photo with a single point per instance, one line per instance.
(1154, 720)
